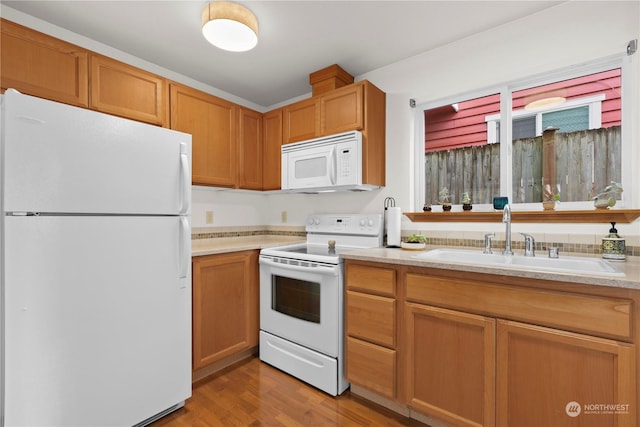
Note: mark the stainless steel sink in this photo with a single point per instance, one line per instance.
(563, 264)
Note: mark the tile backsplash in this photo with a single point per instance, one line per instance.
(574, 243)
(579, 244)
(220, 232)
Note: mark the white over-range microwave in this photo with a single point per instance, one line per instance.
(329, 163)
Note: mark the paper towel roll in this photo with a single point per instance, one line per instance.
(392, 222)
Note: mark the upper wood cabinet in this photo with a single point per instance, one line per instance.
(250, 146)
(301, 120)
(359, 106)
(342, 110)
(43, 66)
(213, 124)
(122, 90)
(271, 150)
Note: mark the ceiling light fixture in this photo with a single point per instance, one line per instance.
(229, 26)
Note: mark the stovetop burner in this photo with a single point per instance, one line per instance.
(318, 250)
(344, 232)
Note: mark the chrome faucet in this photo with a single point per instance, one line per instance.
(506, 218)
(529, 245)
(487, 243)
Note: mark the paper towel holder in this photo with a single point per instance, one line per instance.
(389, 202)
(392, 226)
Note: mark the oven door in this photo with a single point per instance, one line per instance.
(302, 301)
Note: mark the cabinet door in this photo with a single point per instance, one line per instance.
(126, 91)
(372, 318)
(366, 278)
(271, 150)
(225, 306)
(342, 110)
(371, 366)
(548, 377)
(451, 365)
(250, 156)
(39, 65)
(213, 125)
(301, 120)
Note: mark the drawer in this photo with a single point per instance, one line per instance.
(377, 280)
(371, 366)
(594, 315)
(372, 318)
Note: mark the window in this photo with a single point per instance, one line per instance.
(564, 138)
(578, 114)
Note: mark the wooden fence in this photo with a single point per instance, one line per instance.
(586, 161)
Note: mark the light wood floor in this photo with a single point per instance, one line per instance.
(252, 393)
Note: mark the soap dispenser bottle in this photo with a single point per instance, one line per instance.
(613, 246)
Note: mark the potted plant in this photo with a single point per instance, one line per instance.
(550, 198)
(466, 201)
(607, 197)
(444, 199)
(427, 207)
(414, 242)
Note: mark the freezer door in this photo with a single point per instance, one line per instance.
(59, 158)
(97, 320)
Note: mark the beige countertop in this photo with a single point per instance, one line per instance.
(631, 267)
(222, 245)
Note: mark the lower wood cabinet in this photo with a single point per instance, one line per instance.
(467, 349)
(371, 357)
(225, 306)
(371, 366)
(450, 369)
(548, 377)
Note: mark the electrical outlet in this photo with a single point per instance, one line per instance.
(209, 217)
(283, 216)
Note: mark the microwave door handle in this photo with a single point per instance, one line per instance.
(333, 165)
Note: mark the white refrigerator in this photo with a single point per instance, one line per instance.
(95, 266)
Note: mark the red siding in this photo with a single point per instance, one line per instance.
(447, 129)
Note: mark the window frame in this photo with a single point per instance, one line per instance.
(506, 115)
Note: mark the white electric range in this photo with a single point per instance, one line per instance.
(302, 298)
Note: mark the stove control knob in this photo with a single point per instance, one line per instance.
(363, 222)
(316, 221)
(371, 222)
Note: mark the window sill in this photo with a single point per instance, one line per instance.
(619, 216)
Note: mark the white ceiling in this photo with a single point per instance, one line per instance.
(296, 37)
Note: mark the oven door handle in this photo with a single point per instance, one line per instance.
(319, 269)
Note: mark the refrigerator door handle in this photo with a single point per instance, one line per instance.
(184, 252)
(186, 179)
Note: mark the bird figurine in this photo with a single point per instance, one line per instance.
(606, 198)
